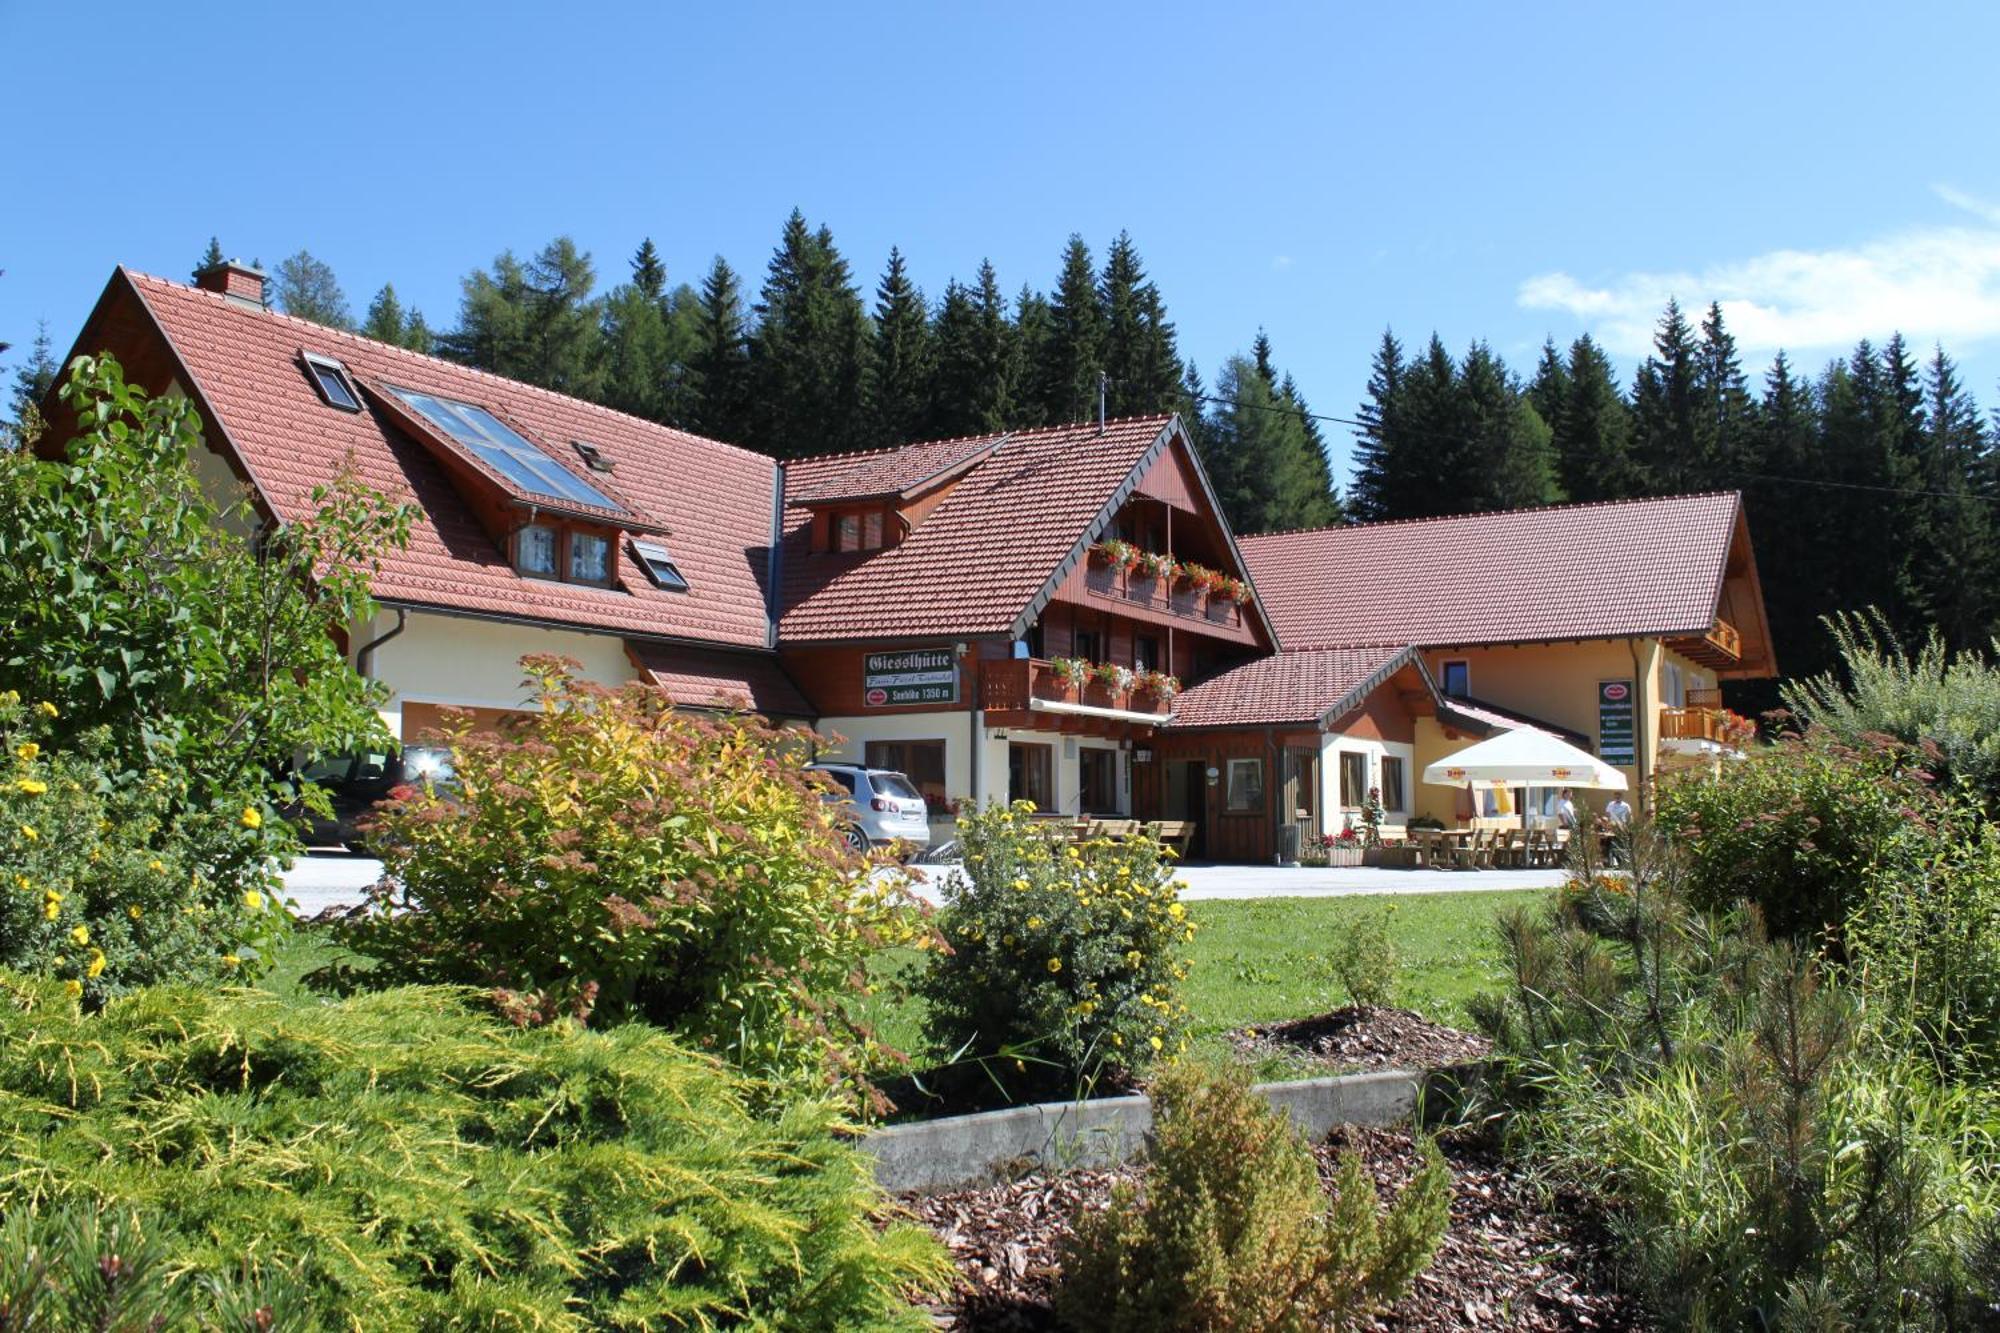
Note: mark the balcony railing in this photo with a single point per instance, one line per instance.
(1717, 725)
(1015, 686)
(1167, 595)
(1720, 646)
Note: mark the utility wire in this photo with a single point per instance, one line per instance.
(1375, 429)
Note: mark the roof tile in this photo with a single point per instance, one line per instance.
(1292, 686)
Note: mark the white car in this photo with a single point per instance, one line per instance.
(882, 806)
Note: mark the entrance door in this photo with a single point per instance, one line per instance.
(1300, 794)
(1189, 800)
(1031, 775)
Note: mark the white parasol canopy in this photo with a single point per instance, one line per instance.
(1523, 757)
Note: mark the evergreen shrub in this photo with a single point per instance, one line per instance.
(409, 1161)
(108, 884)
(609, 857)
(1063, 959)
(1233, 1231)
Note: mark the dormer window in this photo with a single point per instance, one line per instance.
(589, 558)
(535, 550)
(330, 378)
(858, 531)
(659, 565)
(505, 450)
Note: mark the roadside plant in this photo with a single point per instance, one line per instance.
(1232, 1230)
(1074, 953)
(108, 883)
(608, 857)
(1363, 958)
(405, 1159)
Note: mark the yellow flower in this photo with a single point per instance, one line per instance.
(1132, 958)
(28, 832)
(134, 912)
(45, 708)
(1021, 884)
(96, 968)
(231, 960)
(1177, 911)
(253, 900)
(29, 751)
(1157, 1043)
(1034, 923)
(21, 883)
(73, 988)
(252, 818)
(1075, 854)
(60, 959)
(1055, 964)
(32, 786)
(157, 866)
(51, 908)
(1117, 1040)
(80, 935)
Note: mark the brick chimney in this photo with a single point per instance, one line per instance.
(235, 280)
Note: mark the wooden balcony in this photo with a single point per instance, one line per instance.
(1024, 692)
(1721, 647)
(1161, 597)
(1715, 725)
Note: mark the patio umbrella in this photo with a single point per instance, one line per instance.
(1523, 757)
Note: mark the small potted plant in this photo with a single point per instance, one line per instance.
(1222, 598)
(1344, 848)
(1109, 682)
(1069, 675)
(1191, 584)
(1114, 554)
(1153, 565)
(1159, 684)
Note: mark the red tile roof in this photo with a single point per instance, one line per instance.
(882, 472)
(715, 499)
(977, 561)
(703, 678)
(1309, 686)
(1652, 567)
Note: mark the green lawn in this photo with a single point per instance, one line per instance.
(1262, 959)
(1254, 961)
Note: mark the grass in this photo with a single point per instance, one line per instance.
(1254, 961)
(1263, 959)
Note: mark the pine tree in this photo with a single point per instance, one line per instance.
(563, 326)
(1725, 414)
(975, 361)
(417, 335)
(209, 257)
(1665, 441)
(1073, 352)
(639, 365)
(719, 371)
(32, 382)
(492, 319)
(1793, 544)
(1952, 537)
(899, 372)
(1033, 326)
(1319, 462)
(1378, 458)
(1511, 464)
(1549, 389)
(1193, 408)
(305, 287)
(1139, 353)
(1260, 354)
(385, 321)
(649, 272)
(1260, 459)
(1593, 430)
(808, 356)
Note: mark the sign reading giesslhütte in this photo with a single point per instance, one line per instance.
(913, 676)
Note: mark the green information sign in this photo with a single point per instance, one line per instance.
(914, 676)
(1617, 737)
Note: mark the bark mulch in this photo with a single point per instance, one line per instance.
(1359, 1037)
(1507, 1261)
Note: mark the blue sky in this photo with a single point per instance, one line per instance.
(1322, 171)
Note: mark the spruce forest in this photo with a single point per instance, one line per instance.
(1871, 481)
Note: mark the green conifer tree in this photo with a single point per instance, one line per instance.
(808, 355)
(1260, 459)
(1511, 461)
(1033, 326)
(649, 271)
(1379, 458)
(385, 321)
(719, 371)
(305, 287)
(1073, 352)
(1139, 353)
(32, 381)
(900, 371)
(209, 257)
(1725, 420)
(1952, 537)
(1665, 440)
(1593, 430)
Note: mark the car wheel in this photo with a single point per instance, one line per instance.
(857, 841)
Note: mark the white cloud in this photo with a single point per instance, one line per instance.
(1281, 262)
(1933, 282)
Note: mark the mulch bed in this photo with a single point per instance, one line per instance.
(1506, 1262)
(1360, 1037)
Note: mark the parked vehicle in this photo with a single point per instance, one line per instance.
(356, 782)
(881, 807)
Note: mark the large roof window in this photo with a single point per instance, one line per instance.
(501, 448)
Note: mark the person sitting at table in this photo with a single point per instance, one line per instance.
(1565, 810)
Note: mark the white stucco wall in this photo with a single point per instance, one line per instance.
(1336, 815)
(477, 663)
(955, 730)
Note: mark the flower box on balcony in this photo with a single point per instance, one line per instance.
(1186, 599)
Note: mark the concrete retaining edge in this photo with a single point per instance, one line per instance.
(927, 1156)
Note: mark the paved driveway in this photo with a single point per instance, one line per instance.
(321, 881)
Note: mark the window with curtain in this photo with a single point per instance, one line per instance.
(1393, 799)
(1353, 778)
(1245, 792)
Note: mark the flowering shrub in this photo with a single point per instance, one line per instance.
(1115, 553)
(103, 888)
(608, 857)
(1071, 952)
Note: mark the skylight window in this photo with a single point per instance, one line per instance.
(330, 378)
(501, 448)
(593, 458)
(659, 566)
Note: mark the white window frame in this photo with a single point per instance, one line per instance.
(555, 551)
(317, 365)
